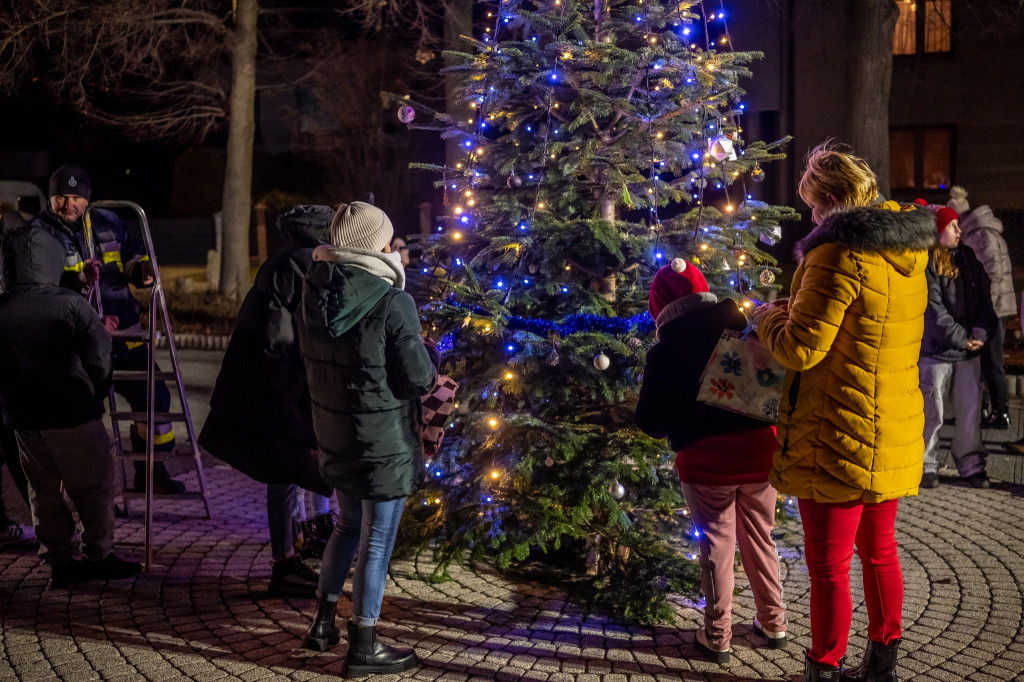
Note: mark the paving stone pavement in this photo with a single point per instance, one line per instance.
(203, 612)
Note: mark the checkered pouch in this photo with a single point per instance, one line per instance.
(437, 407)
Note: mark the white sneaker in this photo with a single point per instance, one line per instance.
(775, 640)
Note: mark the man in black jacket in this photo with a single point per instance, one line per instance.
(118, 260)
(54, 367)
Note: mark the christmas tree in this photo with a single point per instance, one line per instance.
(606, 140)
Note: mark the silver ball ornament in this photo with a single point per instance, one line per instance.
(767, 277)
(406, 113)
(514, 181)
(602, 361)
(549, 462)
(757, 175)
(634, 343)
(617, 490)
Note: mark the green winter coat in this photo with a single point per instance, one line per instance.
(367, 367)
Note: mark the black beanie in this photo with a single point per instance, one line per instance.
(71, 179)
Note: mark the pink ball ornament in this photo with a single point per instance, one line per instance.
(406, 113)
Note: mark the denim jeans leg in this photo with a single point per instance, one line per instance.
(341, 548)
(935, 377)
(280, 502)
(968, 448)
(379, 529)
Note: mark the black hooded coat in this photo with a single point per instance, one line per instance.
(260, 418)
(55, 363)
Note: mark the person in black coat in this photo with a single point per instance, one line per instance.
(260, 419)
(117, 260)
(55, 366)
(367, 367)
(958, 322)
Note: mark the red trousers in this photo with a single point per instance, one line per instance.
(830, 531)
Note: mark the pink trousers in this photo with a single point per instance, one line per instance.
(725, 515)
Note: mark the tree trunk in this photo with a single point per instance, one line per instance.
(458, 22)
(237, 201)
(870, 35)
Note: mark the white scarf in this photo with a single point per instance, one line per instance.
(387, 266)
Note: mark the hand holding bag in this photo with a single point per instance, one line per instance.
(437, 407)
(742, 376)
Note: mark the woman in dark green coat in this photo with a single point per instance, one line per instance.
(367, 366)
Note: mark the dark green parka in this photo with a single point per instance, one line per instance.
(367, 367)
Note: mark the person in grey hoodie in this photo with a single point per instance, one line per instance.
(367, 366)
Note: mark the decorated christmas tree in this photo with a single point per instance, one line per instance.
(606, 140)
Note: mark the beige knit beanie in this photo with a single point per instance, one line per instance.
(361, 226)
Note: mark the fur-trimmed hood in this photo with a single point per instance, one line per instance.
(877, 228)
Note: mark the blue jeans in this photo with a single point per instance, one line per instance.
(281, 501)
(371, 526)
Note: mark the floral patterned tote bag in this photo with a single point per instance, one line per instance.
(741, 376)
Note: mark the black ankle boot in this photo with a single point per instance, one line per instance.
(819, 672)
(368, 655)
(323, 633)
(879, 664)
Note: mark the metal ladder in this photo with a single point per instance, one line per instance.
(148, 336)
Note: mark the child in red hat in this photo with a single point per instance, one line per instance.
(723, 458)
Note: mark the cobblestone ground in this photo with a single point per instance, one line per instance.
(203, 612)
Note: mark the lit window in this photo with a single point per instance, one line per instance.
(924, 26)
(921, 158)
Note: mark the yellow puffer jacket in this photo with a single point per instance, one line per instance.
(851, 417)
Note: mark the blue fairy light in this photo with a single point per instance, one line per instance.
(522, 226)
(464, 220)
(526, 280)
(639, 18)
(426, 270)
(554, 75)
(438, 473)
(530, 176)
(511, 348)
(743, 106)
(565, 290)
(659, 64)
(458, 261)
(659, 255)
(500, 284)
(439, 228)
(529, 129)
(468, 143)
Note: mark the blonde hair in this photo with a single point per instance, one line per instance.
(944, 265)
(836, 177)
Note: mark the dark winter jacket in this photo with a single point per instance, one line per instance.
(714, 446)
(956, 307)
(115, 247)
(54, 352)
(367, 367)
(260, 418)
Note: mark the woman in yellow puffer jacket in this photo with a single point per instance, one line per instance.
(851, 416)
